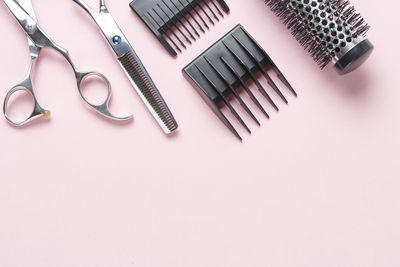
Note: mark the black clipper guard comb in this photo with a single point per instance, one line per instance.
(227, 66)
(175, 21)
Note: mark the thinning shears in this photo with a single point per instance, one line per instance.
(132, 66)
(37, 39)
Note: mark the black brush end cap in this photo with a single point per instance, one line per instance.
(355, 57)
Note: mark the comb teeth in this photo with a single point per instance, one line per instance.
(151, 95)
(228, 65)
(177, 23)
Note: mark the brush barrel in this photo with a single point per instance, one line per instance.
(330, 30)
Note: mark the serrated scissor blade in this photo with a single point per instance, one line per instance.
(148, 91)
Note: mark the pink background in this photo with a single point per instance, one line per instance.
(317, 185)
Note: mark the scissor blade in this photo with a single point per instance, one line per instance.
(147, 90)
(27, 5)
(24, 19)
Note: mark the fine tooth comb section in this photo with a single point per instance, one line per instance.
(175, 22)
(228, 65)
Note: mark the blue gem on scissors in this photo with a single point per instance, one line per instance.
(116, 39)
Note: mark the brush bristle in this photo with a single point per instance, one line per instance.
(323, 27)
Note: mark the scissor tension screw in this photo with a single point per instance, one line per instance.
(116, 39)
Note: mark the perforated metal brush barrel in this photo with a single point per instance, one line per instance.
(331, 30)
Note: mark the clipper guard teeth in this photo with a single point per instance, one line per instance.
(226, 67)
(330, 30)
(176, 23)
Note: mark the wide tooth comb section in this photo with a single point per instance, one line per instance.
(228, 65)
(175, 23)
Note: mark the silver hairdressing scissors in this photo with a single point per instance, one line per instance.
(37, 39)
(132, 66)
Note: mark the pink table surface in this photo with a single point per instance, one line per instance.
(317, 185)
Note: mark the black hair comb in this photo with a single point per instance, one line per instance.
(175, 21)
(226, 66)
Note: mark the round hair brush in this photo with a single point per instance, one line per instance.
(331, 30)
